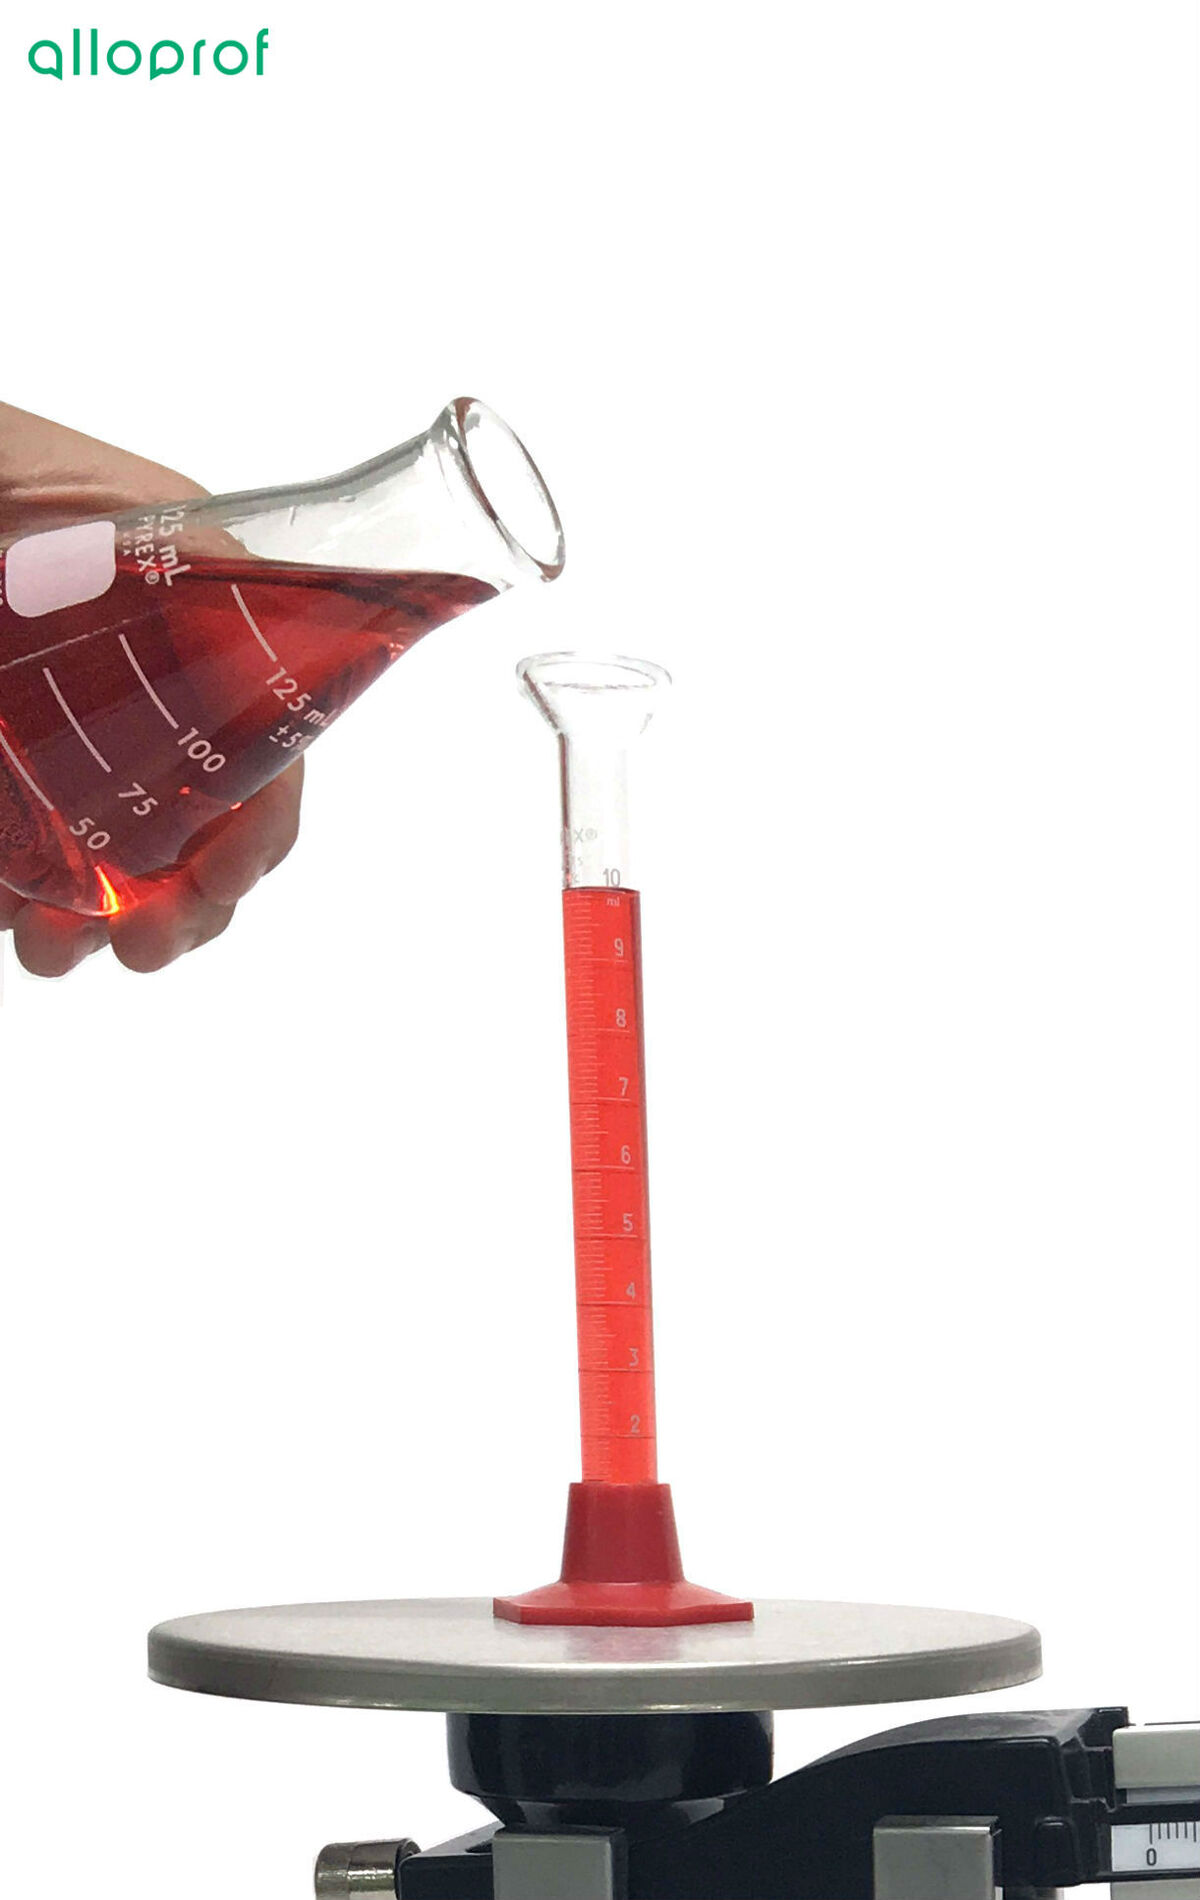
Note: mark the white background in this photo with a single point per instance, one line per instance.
(857, 343)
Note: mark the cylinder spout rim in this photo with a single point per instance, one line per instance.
(562, 683)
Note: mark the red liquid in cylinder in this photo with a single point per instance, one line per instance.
(606, 1065)
(621, 1565)
(130, 722)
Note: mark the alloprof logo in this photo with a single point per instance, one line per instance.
(160, 61)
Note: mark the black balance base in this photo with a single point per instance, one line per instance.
(691, 1813)
(639, 1773)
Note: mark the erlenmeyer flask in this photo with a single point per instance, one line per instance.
(159, 667)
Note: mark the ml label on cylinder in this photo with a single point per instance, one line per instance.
(61, 568)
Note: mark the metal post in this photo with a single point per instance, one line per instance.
(555, 1867)
(936, 1857)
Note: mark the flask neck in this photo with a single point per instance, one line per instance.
(463, 498)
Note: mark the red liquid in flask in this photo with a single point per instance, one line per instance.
(130, 722)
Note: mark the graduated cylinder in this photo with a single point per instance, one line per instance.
(621, 1563)
(598, 708)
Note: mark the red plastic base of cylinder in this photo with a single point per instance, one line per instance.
(628, 1605)
(621, 1566)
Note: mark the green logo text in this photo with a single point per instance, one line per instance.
(165, 57)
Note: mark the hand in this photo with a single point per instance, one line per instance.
(45, 472)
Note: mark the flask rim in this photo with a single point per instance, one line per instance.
(463, 416)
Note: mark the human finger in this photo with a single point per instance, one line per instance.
(10, 906)
(168, 923)
(51, 942)
(250, 842)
